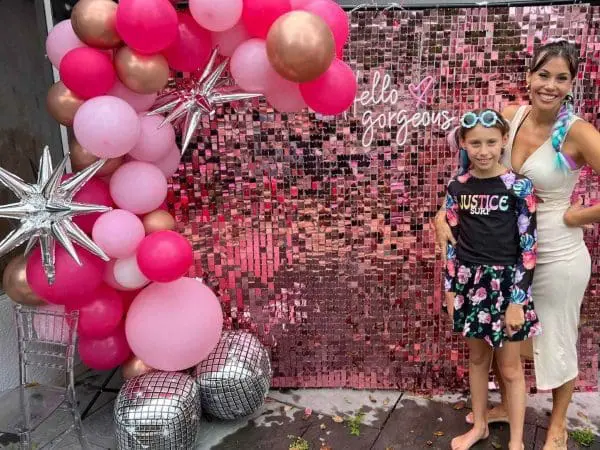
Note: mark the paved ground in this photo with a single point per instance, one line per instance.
(391, 421)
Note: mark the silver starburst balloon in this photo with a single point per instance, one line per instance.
(202, 97)
(45, 210)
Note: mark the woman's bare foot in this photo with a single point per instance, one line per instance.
(469, 439)
(497, 414)
(556, 439)
(520, 446)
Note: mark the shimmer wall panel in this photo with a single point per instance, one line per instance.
(315, 231)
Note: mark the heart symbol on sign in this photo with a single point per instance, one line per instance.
(421, 90)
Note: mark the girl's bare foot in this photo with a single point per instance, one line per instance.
(469, 439)
(520, 446)
(497, 414)
(556, 439)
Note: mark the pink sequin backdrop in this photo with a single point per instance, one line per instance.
(315, 232)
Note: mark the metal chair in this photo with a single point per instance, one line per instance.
(46, 340)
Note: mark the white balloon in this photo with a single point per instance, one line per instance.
(128, 274)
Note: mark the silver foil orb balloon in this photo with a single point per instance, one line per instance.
(234, 380)
(157, 411)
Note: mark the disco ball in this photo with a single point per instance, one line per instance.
(234, 380)
(158, 411)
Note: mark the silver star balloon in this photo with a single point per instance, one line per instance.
(45, 210)
(202, 97)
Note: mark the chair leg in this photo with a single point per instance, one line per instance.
(25, 441)
(79, 427)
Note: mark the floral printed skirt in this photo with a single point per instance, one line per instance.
(481, 302)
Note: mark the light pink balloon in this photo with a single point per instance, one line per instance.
(174, 326)
(109, 277)
(139, 102)
(284, 95)
(216, 16)
(154, 142)
(227, 41)
(118, 233)
(106, 126)
(335, 17)
(61, 40)
(138, 186)
(299, 4)
(128, 274)
(170, 163)
(250, 66)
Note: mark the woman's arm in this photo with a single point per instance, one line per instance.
(584, 139)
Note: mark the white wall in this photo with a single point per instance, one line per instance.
(9, 360)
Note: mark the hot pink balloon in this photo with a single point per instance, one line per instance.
(227, 41)
(139, 102)
(73, 282)
(118, 233)
(106, 353)
(170, 163)
(164, 256)
(284, 95)
(128, 274)
(259, 15)
(147, 26)
(216, 16)
(101, 315)
(155, 141)
(174, 326)
(250, 66)
(138, 186)
(191, 49)
(60, 41)
(106, 126)
(335, 17)
(95, 191)
(87, 72)
(333, 92)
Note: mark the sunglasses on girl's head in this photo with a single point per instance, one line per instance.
(487, 118)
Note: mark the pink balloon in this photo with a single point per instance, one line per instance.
(128, 274)
(335, 17)
(139, 102)
(299, 4)
(95, 191)
(109, 277)
(170, 163)
(138, 186)
(88, 72)
(154, 143)
(147, 26)
(164, 256)
(73, 282)
(284, 95)
(60, 41)
(227, 41)
(259, 15)
(106, 126)
(191, 49)
(333, 92)
(101, 315)
(174, 326)
(250, 66)
(106, 353)
(216, 16)
(118, 233)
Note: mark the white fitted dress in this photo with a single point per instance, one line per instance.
(563, 264)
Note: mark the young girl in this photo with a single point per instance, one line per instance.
(491, 212)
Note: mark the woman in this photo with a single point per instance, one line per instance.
(549, 144)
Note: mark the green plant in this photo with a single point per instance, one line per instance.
(354, 423)
(583, 437)
(298, 443)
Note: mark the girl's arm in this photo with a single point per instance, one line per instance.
(526, 221)
(451, 219)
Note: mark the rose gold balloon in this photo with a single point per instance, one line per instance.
(143, 74)
(62, 104)
(300, 46)
(81, 158)
(157, 221)
(94, 22)
(135, 367)
(14, 282)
